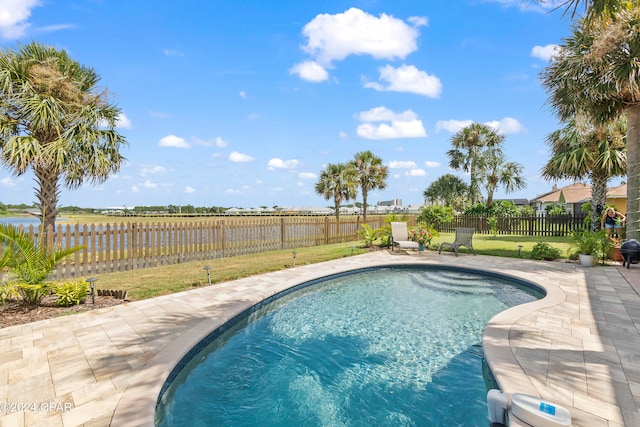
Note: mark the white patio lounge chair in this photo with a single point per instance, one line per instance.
(400, 236)
(463, 238)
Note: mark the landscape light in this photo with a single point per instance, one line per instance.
(294, 258)
(92, 285)
(207, 268)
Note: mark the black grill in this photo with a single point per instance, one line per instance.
(630, 251)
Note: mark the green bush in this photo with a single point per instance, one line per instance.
(435, 215)
(70, 293)
(32, 293)
(8, 291)
(545, 251)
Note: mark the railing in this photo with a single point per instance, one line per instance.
(128, 246)
(526, 225)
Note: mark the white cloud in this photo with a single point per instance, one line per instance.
(123, 122)
(147, 185)
(342, 135)
(397, 129)
(383, 114)
(416, 172)
(431, 164)
(236, 157)
(407, 78)
(310, 71)
(399, 164)
(307, 175)
(152, 170)
(173, 141)
(506, 125)
(452, 126)
(7, 182)
(545, 52)
(13, 17)
(276, 163)
(243, 94)
(354, 32)
(189, 190)
(217, 142)
(403, 125)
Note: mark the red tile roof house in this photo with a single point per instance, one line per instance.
(574, 195)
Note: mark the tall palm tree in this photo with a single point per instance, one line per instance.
(596, 9)
(55, 121)
(372, 175)
(580, 150)
(494, 172)
(338, 181)
(468, 147)
(596, 73)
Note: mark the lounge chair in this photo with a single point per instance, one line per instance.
(400, 236)
(463, 238)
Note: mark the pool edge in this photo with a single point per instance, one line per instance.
(137, 405)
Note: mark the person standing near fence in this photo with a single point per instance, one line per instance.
(612, 219)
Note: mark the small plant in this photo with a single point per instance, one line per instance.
(493, 225)
(8, 292)
(422, 234)
(32, 293)
(545, 251)
(70, 293)
(369, 235)
(590, 243)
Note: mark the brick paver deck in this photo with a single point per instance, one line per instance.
(579, 347)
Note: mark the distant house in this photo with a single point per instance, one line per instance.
(574, 195)
(617, 197)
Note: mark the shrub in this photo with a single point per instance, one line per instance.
(545, 251)
(435, 215)
(8, 291)
(32, 293)
(70, 293)
(369, 235)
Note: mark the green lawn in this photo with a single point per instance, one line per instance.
(506, 245)
(151, 282)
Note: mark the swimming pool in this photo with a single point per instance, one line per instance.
(390, 346)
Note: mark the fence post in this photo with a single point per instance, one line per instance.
(282, 233)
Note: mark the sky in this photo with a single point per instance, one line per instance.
(243, 103)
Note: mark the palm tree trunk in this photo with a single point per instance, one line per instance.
(364, 206)
(633, 172)
(598, 198)
(47, 193)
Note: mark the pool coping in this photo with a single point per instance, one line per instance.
(580, 352)
(137, 406)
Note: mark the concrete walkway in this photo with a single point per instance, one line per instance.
(579, 347)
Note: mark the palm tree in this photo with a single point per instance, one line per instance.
(449, 188)
(493, 172)
(596, 8)
(29, 261)
(338, 181)
(55, 121)
(468, 147)
(372, 175)
(580, 150)
(596, 73)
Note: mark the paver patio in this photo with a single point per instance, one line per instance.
(579, 347)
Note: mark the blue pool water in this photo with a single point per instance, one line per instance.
(396, 347)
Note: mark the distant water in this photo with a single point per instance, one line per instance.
(21, 220)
